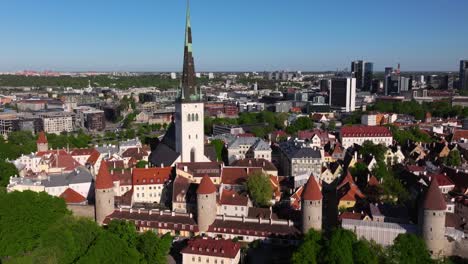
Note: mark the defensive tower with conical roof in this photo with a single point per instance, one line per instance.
(311, 206)
(189, 118)
(42, 143)
(433, 220)
(206, 204)
(104, 188)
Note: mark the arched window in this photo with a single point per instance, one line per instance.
(189, 118)
(196, 117)
(193, 117)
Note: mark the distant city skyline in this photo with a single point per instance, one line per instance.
(241, 35)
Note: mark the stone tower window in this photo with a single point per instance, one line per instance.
(189, 118)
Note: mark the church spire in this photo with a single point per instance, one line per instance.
(188, 89)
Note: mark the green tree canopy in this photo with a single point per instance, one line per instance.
(409, 249)
(339, 247)
(309, 250)
(259, 188)
(453, 159)
(23, 224)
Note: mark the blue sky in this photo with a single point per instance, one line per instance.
(148, 35)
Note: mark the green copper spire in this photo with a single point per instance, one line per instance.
(189, 86)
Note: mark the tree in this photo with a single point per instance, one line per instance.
(453, 159)
(219, 146)
(64, 242)
(124, 230)
(153, 248)
(410, 249)
(363, 253)
(259, 188)
(339, 248)
(142, 164)
(109, 248)
(392, 187)
(309, 250)
(376, 150)
(22, 225)
(7, 170)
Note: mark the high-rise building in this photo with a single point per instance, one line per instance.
(387, 79)
(357, 71)
(363, 72)
(464, 74)
(343, 94)
(368, 75)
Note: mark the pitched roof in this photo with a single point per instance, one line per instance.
(365, 131)
(206, 186)
(72, 197)
(236, 175)
(212, 247)
(231, 197)
(42, 139)
(434, 200)
(104, 178)
(312, 190)
(258, 163)
(151, 175)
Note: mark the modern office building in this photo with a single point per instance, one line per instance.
(464, 74)
(343, 94)
(357, 71)
(363, 72)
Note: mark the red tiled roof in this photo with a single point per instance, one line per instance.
(236, 175)
(312, 190)
(459, 134)
(151, 176)
(42, 139)
(351, 215)
(206, 186)
(94, 157)
(137, 153)
(434, 199)
(63, 160)
(365, 131)
(200, 169)
(82, 152)
(256, 163)
(415, 168)
(212, 247)
(231, 197)
(104, 178)
(72, 197)
(442, 179)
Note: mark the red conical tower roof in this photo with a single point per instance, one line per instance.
(312, 190)
(104, 178)
(42, 139)
(434, 199)
(206, 186)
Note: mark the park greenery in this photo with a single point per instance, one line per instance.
(412, 134)
(342, 247)
(442, 109)
(259, 188)
(267, 122)
(40, 229)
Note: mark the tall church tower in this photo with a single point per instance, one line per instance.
(189, 120)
